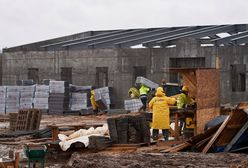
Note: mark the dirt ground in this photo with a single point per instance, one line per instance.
(143, 157)
(171, 160)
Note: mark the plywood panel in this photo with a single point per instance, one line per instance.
(208, 88)
(203, 116)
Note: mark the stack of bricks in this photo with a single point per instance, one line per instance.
(26, 96)
(27, 119)
(133, 105)
(2, 99)
(41, 97)
(103, 97)
(12, 99)
(59, 97)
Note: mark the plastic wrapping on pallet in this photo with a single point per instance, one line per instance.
(147, 82)
(133, 105)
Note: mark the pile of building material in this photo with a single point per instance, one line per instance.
(59, 97)
(102, 97)
(41, 97)
(24, 120)
(146, 82)
(78, 101)
(26, 96)
(125, 129)
(133, 105)
(3, 91)
(230, 135)
(12, 99)
(25, 82)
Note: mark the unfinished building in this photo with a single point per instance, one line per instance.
(116, 57)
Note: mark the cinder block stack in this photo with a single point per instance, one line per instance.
(26, 96)
(102, 96)
(41, 97)
(12, 99)
(2, 99)
(59, 97)
(133, 105)
(78, 101)
(147, 82)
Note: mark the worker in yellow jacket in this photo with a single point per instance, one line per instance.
(143, 95)
(161, 113)
(93, 102)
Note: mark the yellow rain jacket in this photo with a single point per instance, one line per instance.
(92, 100)
(183, 100)
(161, 113)
(134, 92)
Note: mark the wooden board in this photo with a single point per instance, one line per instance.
(208, 88)
(203, 116)
(238, 117)
(216, 135)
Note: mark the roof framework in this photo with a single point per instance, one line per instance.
(157, 37)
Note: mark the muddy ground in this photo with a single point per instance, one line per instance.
(142, 157)
(172, 160)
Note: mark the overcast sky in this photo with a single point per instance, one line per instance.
(26, 21)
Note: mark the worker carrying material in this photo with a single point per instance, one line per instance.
(133, 93)
(161, 113)
(93, 102)
(143, 95)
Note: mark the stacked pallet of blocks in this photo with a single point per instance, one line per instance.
(26, 96)
(126, 129)
(59, 97)
(78, 101)
(41, 97)
(133, 105)
(12, 99)
(27, 119)
(103, 97)
(2, 99)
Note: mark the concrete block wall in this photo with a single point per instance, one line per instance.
(120, 63)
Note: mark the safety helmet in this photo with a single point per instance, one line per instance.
(185, 88)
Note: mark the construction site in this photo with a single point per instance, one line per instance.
(78, 100)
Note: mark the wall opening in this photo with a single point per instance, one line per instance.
(101, 76)
(138, 71)
(185, 62)
(66, 74)
(33, 73)
(238, 77)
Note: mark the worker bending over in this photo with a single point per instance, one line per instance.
(183, 101)
(161, 113)
(143, 95)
